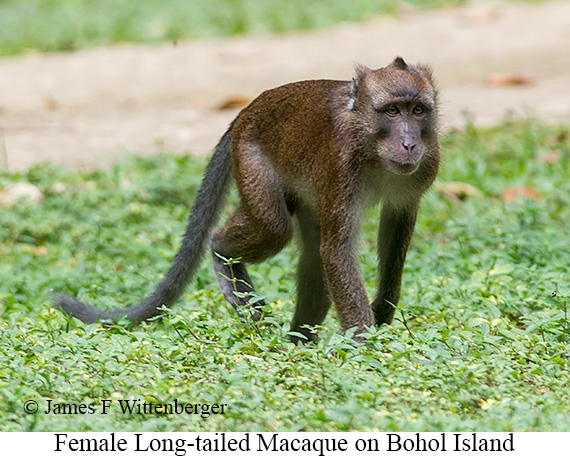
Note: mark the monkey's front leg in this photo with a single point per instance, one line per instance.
(394, 236)
(345, 284)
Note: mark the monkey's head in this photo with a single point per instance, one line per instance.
(394, 110)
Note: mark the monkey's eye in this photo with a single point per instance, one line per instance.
(392, 110)
(418, 110)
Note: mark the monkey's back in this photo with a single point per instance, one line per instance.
(290, 123)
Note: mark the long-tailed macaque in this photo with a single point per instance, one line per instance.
(318, 152)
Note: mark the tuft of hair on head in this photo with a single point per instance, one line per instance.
(400, 63)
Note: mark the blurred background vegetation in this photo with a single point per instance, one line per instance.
(64, 25)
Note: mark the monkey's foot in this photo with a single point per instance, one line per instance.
(383, 312)
(237, 288)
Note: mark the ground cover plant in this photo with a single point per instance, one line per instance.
(479, 343)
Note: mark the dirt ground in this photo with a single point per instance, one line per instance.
(86, 108)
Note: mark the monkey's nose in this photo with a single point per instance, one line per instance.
(408, 146)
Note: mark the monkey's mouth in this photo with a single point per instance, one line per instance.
(400, 168)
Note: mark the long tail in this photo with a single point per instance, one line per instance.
(203, 217)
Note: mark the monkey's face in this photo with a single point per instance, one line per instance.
(398, 135)
(394, 108)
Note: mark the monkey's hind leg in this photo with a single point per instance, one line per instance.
(246, 241)
(313, 296)
(259, 229)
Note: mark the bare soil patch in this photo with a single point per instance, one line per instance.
(86, 108)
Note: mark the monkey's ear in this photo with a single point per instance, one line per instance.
(400, 63)
(361, 72)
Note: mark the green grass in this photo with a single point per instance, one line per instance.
(484, 346)
(63, 25)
